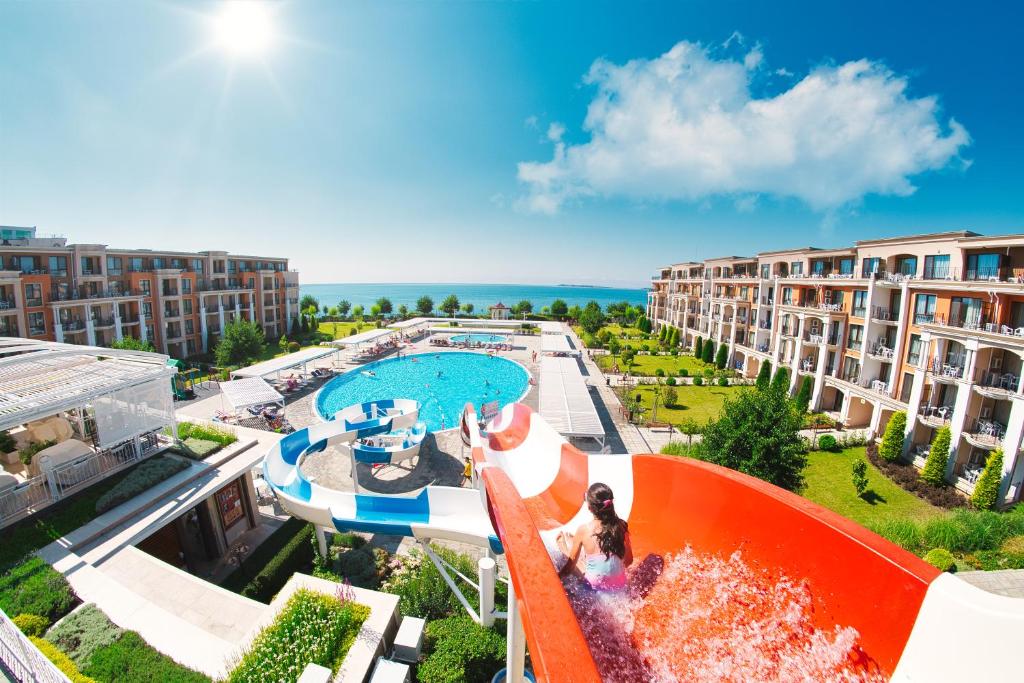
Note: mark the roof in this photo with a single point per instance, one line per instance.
(556, 343)
(923, 237)
(285, 362)
(41, 378)
(411, 322)
(498, 305)
(565, 400)
(251, 391)
(363, 337)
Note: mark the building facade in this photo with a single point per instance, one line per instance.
(929, 324)
(94, 294)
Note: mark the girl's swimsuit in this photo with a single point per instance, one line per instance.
(605, 572)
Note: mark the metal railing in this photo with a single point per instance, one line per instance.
(23, 659)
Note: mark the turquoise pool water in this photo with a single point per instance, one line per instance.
(443, 383)
(480, 338)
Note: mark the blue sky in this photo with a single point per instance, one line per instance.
(413, 141)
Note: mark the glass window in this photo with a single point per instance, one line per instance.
(965, 312)
(36, 324)
(860, 302)
(158, 263)
(33, 295)
(936, 267)
(144, 287)
(189, 328)
(924, 309)
(846, 266)
(907, 265)
(766, 271)
(147, 309)
(787, 295)
(982, 266)
(914, 349)
(870, 266)
(855, 337)
(176, 263)
(186, 286)
(197, 265)
(186, 305)
(59, 266)
(818, 268)
(796, 268)
(1017, 314)
(135, 264)
(113, 265)
(27, 264)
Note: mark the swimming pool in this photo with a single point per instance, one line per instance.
(480, 338)
(443, 383)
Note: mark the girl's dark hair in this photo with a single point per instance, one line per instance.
(611, 539)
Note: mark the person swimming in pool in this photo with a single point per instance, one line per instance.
(604, 542)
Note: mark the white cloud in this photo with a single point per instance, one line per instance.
(783, 71)
(555, 132)
(753, 59)
(685, 126)
(530, 121)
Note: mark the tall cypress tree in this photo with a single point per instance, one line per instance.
(708, 352)
(764, 375)
(803, 396)
(698, 347)
(780, 382)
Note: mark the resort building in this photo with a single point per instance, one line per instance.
(929, 324)
(94, 294)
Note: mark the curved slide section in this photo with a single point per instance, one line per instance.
(391, 448)
(916, 623)
(436, 512)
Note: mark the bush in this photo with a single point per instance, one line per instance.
(130, 658)
(7, 442)
(722, 356)
(940, 559)
(902, 532)
(764, 375)
(708, 352)
(698, 381)
(677, 448)
(907, 477)
(683, 372)
(698, 348)
(142, 478)
(892, 442)
(942, 532)
(34, 587)
(83, 632)
(293, 346)
(359, 566)
(312, 628)
(31, 624)
(986, 490)
(671, 396)
(205, 432)
(461, 650)
(348, 540)
(934, 470)
(1014, 547)
(28, 452)
(723, 381)
(421, 589)
(659, 372)
(295, 555)
(827, 442)
(859, 470)
(803, 395)
(60, 660)
(671, 381)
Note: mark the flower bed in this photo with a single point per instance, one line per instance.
(909, 479)
(312, 628)
(288, 550)
(144, 477)
(34, 587)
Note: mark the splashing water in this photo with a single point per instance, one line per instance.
(712, 619)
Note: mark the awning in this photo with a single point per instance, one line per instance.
(251, 391)
(565, 400)
(364, 337)
(556, 343)
(551, 327)
(285, 362)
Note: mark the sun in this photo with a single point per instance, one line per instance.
(244, 28)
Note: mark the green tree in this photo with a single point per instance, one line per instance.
(375, 311)
(892, 440)
(707, 354)
(722, 357)
(592, 319)
(559, 308)
(859, 470)
(309, 301)
(986, 490)
(670, 397)
(333, 311)
(385, 305)
(282, 344)
(357, 311)
(780, 382)
(132, 344)
(403, 311)
(575, 312)
(643, 323)
(344, 307)
(450, 305)
(241, 342)
(663, 334)
(296, 326)
(803, 395)
(524, 307)
(764, 375)
(628, 357)
(614, 346)
(698, 347)
(689, 427)
(934, 470)
(424, 305)
(758, 433)
(467, 309)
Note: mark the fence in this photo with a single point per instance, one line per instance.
(23, 659)
(60, 481)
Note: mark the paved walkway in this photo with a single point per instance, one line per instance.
(1008, 582)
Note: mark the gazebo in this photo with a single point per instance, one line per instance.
(500, 311)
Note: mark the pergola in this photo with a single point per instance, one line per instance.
(357, 340)
(275, 366)
(250, 391)
(565, 400)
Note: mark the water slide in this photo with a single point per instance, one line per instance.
(916, 623)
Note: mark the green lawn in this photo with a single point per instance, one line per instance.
(622, 333)
(693, 403)
(829, 483)
(647, 365)
(344, 329)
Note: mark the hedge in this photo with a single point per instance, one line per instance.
(83, 632)
(130, 658)
(31, 624)
(461, 650)
(60, 660)
(941, 559)
(286, 551)
(142, 478)
(34, 587)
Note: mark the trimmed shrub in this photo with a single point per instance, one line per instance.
(287, 550)
(723, 381)
(803, 395)
(34, 587)
(902, 532)
(671, 381)
(82, 632)
(683, 372)
(892, 442)
(461, 650)
(942, 560)
(764, 375)
(722, 357)
(659, 372)
(7, 442)
(142, 478)
(698, 381)
(859, 471)
(708, 352)
(780, 382)
(670, 396)
(293, 346)
(31, 624)
(313, 628)
(986, 490)
(827, 442)
(908, 478)
(130, 658)
(60, 660)
(698, 348)
(934, 470)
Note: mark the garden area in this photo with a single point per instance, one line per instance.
(698, 403)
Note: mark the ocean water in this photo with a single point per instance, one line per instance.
(481, 296)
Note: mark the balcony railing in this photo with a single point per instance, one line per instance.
(880, 350)
(99, 321)
(986, 431)
(881, 313)
(935, 416)
(924, 318)
(1000, 380)
(858, 311)
(85, 294)
(951, 369)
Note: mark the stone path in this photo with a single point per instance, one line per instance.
(1008, 582)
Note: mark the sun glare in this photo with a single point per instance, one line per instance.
(244, 28)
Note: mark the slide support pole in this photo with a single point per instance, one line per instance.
(516, 638)
(487, 568)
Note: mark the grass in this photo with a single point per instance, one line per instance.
(34, 587)
(647, 366)
(693, 403)
(344, 329)
(829, 483)
(144, 477)
(132, 659)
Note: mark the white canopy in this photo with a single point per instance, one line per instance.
(285, 362)
(474, 330)
(556, 343)
(363, 337)
(251, 391)
(565, 399)
(411, 322)
(551, 327)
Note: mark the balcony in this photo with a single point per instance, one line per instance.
(172, 313)
(883, 315)
(7, 304)
(985, 433)
(808, 365)
(854, 345)
(830, 308)
(814, 339)
(950, 370)
(858, 311)
(763, 348)
(99, 322)
(934, 416)
(879, 386)
(1000, 385)
(764, 324)
(220, 286)
(881, 351)
(85, 294)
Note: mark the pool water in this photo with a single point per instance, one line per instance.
(480, 339)
(443, 383)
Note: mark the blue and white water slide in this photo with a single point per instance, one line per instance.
(436, 512)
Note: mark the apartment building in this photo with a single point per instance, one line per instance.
(930, 324)
(94, 294)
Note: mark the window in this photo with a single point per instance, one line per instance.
(113, 265)
(787, 296)
(982, 266)
(27, 264)
(965, 312)
(158, 263)
(36, 324)
(149, 332)
(197, 265)
(33, 295)
(906, 387)
(907, 265)
(837, 298)
(870, 266)
(851, 370)
(860, 302)
(818, 268)
(147, 310)
(924, 309)
(186, 286)
(766, 271)
(176, 263)
(914, 350)
(189, 328)
(59, 266)
(186, 306)
(144, 287)
(936, 267)
(846, 266)
(856, 337)
(1017, 314)
(796, 268)
(135, 264)
(190, 347)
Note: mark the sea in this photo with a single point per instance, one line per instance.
(481, 296)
